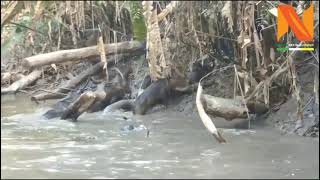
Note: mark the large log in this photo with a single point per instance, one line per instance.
(105, 94)
(73, 83)
(70, 85)
(9, 77)
(80, 105)
(82, 53)
(229, 109)
(59, 107)
(23, 82)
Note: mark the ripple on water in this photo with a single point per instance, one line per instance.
(51, 170)
(211, 153)
(22, 147)
(97, 149)
(102, 177)
(47, 160)
(239, 131)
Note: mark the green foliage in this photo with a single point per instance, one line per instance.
(16, 36)
(138, 23)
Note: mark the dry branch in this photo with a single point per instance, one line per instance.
(169, 9)
(205, 118)
(10, 12)
(82, 53)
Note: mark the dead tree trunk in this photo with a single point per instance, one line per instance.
(10, 78)
(106, 93)
(71, 84)
(82, 53)
(222, 107)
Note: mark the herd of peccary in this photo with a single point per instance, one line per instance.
(153, 93)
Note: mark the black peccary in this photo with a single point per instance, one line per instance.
(157, 93)
(114, 92)
(146, 82)
(198, 70)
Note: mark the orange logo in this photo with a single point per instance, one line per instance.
(288, 17)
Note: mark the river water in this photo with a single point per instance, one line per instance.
(178, 146)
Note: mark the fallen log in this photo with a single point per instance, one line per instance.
(74, 82)
(82, 53)
(5, 77)
(61, 106)
(23, 82)
(80, 105)
(106, 93)
(91, 102)
(205, 118)
(9, 77)
(70, 85)
(228, 109)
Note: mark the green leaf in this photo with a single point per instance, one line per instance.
(18, 29)
(138, 23)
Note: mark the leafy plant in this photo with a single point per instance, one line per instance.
(138, 22)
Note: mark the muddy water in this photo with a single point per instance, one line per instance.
(178, 146)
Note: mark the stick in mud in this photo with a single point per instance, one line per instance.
(205, 118)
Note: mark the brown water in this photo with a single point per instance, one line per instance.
(178, 147)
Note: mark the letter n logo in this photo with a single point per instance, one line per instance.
(288, 17)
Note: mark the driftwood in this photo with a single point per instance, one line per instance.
(70, 85)
(229, 109)
(106, 93)
(59, 107)
(9, 77)
(74, 82)
(80, 105)
(82, 53)
(23, 82)
(205, 118)
(91, 102)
